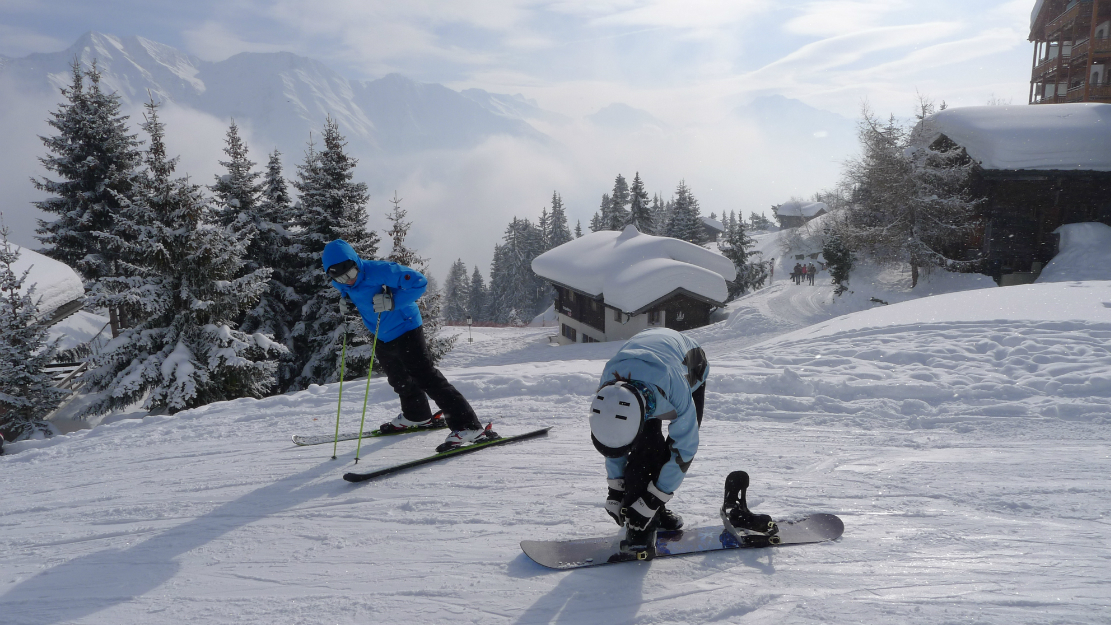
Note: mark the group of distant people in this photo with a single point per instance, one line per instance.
(804, 272)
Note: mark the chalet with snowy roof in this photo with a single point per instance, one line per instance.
(58, 292)
(1038, 167)
(1071, 56)
(611, 285)
(712, 228)
(794, 214)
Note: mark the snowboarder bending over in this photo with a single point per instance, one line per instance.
(385, 294)
(658, 375)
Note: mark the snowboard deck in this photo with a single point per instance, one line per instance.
(585, 552)
(451, 453)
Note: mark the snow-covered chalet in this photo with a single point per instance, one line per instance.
(58, 290)
(1038, 167)
(794, 214)
(611, 285)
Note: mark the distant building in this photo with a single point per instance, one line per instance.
(795, 214)
(712, 228)
(611, 285)
(1038, 167)
(1071, 54)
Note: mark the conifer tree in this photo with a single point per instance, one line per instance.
(839, 257)
(616, 215)
(559, 233)
(27, 393)
(684, 221)
(599, 219)
(660, 216)
(455, 293)
(640, 211)
(273, 246)
(578, 229)
(736, 244)
(184, 353)
(477, 297)
(430, 304)
(237, 192)
(96, 159)
(331, 206)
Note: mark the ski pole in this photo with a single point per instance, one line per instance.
(339, 402)
(370, 368)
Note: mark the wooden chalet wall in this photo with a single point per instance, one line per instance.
(1023, 208)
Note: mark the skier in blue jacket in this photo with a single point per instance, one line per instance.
(386, 294)
(658, 375)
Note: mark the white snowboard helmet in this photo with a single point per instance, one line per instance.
(618, 415)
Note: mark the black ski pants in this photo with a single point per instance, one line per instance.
(651, 451)
(411, 374)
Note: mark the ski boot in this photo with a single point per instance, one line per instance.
(639, 544)
(401, 424)
(740, 522)
(459, 438)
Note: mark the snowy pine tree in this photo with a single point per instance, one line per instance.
(660, 216)
(684, 223)
(911, 202)
(599, 219)
(183, 353)
(640, 211)
(274, 247)
(839, 258)
(27, 393)
(616, 215)
(736, 244)
(558, 226)
(456, 289)
(237, 192)
(330, 206)
(516, 293)
(430, 303)
(96, 160)
(477, 305)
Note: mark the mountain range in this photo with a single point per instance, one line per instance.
(285, 96)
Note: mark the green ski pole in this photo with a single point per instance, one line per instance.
(339, 402)
(359, 445)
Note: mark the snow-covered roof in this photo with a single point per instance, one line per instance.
(55, 282)
(1042, 137)
(713, 223)
(630, 270)
(801, 209)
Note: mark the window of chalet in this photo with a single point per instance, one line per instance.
(568, 332)
(617, 315)
(654, 317)
(588, 339)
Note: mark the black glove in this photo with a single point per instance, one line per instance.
(641, 514)
(383, 302)
(614, 499)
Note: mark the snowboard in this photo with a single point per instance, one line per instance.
(350, 436)
(585, 552)
(451, 453)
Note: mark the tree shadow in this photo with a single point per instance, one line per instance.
(88, 584)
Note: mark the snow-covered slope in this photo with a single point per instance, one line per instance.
(965, 447)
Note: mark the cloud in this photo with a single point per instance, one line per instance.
(216, 41)
(16, 41)
(832, 17)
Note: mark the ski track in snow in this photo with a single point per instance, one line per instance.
(969, 461)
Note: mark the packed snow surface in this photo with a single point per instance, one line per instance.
(1063, 136)
(963, 439)
(631, 270)
(1084, 253)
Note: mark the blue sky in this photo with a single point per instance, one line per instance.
(668, 56)
(688, 63)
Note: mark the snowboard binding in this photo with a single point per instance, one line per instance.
(740, 522)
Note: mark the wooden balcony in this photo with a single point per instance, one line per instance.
(1048, 66)
(1066, 18)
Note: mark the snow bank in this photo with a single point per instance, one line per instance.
(1083, 254)
(55, 282)
(1060, 136)
(631, 270)
(1073, 301)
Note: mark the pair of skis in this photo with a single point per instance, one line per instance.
(449, 453)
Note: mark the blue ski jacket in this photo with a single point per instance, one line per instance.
(674, 366)
(404, 283)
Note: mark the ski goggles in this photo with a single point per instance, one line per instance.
(343, 272)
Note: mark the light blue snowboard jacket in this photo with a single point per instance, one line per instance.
(673, 366)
